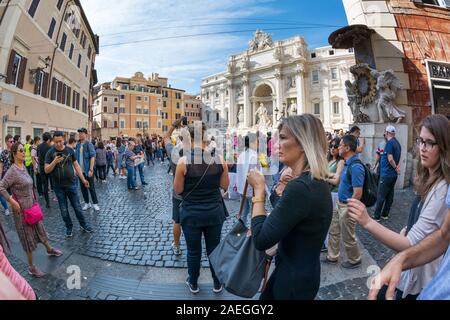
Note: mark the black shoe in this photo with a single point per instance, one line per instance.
(87, 229)
(144, 183)
(192, 287)
(328, 261)
(217, 288)
(348, 265)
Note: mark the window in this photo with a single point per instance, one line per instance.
(71, 51)
(207, 95)
(79, 61)
(68, 95)
(64, 94)
(115, 124)
(33, 8)
(38, 82)
(122, 110)
(116, 100)
(145, 124)
(60, 3)
(55, 95)
(89, 52)
(177, 116)
(331, 52)
(138, 124)
(217, 94)
(138, 98)
(115, 109)
(105, 109)
(159, 125)
(16, 69)
(105, 124)
(315, 76)
(442, 3)
(105, 99)
(336, 108)
(83, 40)
(76, 100)
(139, 111)
(217, 117)
(313, 55)
(317, 108)
(146, 111)
(51, 29)
(86, 72)
(146, 99)
(62, 46)
(178, 105)
(334, 74)
(165, 104)
(122, 124)
(122, 97)
(14, 131)
(84, 105)
(38, 132)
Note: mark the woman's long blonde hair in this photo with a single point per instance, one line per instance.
(310, 134)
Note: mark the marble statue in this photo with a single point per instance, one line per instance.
(240, 116)
(292, 111)
(387, 86)
(263, 119)
(260, 41)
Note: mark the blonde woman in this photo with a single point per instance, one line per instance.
(301, 218)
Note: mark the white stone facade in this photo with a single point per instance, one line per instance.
(278, 79)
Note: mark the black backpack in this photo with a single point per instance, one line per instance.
(370, 187)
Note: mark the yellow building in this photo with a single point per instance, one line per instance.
(47, 58)
(173, 106)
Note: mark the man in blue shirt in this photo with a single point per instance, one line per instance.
(85, 155)
(389, 171)
(351, 186)
(422, 253)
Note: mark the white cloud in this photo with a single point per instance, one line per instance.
(184, 61)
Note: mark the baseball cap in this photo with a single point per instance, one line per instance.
(82, 130)
(390, 129)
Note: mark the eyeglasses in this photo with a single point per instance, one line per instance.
(21, 150)
(427, 143)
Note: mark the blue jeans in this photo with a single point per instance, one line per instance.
(246, 210)
(141, 173)
(62, 193)
(4, 203)
(131, 177)
(193, 236)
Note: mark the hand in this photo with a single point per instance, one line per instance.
(398, 169)
(58, 160)
(90, 173)
(15, 205)
(86, 183)
(403, 232)
(358, 211)
(390, 276)
(256, 180)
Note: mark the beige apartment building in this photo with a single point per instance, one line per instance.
(47, 58)
(135, 105)
(192, 108)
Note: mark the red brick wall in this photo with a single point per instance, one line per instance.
(425, 34)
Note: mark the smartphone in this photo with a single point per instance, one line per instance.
(185, 121)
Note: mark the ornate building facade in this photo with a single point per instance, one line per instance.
(271, 80)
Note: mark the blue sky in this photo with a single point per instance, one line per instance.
(185, 61)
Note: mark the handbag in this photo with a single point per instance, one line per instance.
(238, 265)
(138, 161)
(34, 214)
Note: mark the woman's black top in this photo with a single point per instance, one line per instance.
(202, 205)
(299, 223)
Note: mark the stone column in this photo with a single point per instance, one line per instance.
(279, 95)
(247, 106)
(233, 112)
(300, 87)
(254, 108)
(326, 104)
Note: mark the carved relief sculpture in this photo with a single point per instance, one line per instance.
(260, 41)
(387, 86)
(263, 119)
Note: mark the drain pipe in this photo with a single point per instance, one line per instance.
(4, 12)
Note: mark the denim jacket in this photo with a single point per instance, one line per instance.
(88, 153)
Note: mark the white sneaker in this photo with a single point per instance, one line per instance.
(7, 213)
(86, 206)
(96, 207)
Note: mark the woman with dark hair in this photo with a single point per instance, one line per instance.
(428, 209)
(300, 220)
(20, 183)
(199, 176)
(100, 161)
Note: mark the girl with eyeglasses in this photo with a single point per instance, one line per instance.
(427, 211)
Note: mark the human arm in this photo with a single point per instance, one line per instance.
(180, 172)
(79, 172)
(5, 185)
(336, 179)
(357, 180)
(50, 163)
(361, 147)
(224, 178)
(358, 211)
(422, 253)
(175, 125)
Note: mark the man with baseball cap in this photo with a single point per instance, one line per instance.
(85, 154)
(390, 169)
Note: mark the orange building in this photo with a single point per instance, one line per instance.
(192, 108)
(172, 106)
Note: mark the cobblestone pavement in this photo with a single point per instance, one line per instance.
(133, 232)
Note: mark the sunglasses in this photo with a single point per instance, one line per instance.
(21, 150)
(334, 147)
(11, 141)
